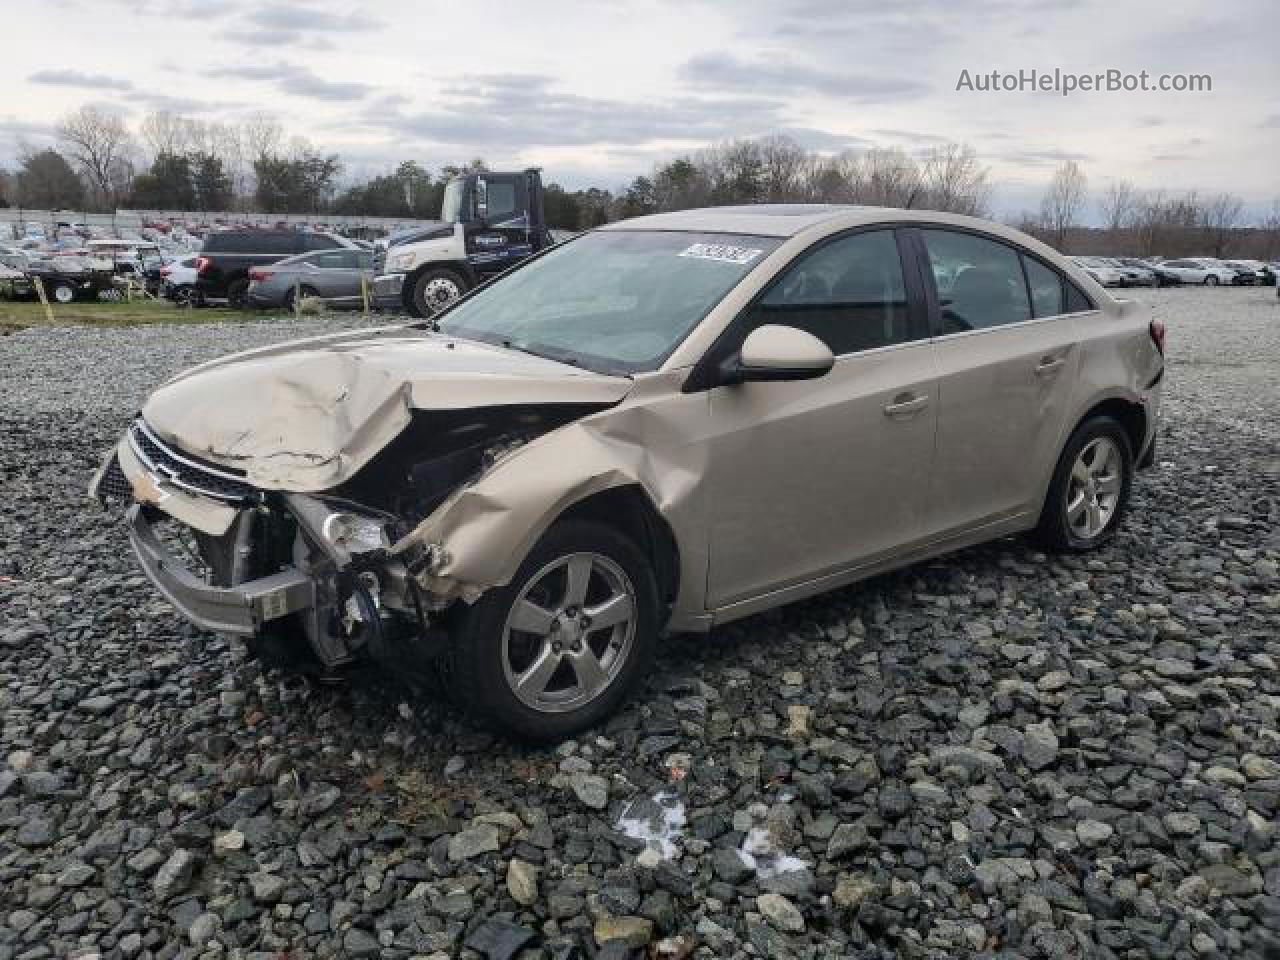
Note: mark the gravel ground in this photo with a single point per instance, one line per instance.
(1003, 753)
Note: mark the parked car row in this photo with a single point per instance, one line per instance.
(1156, 272)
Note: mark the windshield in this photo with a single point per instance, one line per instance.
(451, 206)
(617, 301)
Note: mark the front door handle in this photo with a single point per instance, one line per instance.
(906, 405)
(1049, 365)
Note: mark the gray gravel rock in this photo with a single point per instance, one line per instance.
(1001, 751)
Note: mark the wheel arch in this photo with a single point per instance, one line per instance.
(1129, 413)
(628, 507)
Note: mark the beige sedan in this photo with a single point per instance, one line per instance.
(668, 423)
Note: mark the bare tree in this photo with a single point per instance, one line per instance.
(1119, 204)
(1062, 202)
(1270, 231)
(954, 180)
(99, 143)
(886, 177)
(785, 166)
(1221, 217)
(166, 132)
(262, 135)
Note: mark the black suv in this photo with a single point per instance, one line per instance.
(225, 259)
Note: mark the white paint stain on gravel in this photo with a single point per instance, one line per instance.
(658, 821)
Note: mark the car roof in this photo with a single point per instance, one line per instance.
(790, 219)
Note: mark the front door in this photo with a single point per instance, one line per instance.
(814, 477)
(502, 238)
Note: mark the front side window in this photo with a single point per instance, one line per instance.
(500, 198)
(1046, 289)
(848, 293)
(616, 301)
(979, 281)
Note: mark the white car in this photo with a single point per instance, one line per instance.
(1206, 272)
(1101, 271)
(178, 280)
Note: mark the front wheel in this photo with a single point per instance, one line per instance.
(63, 292)
(434, 290)
(1090, 487)
(562, 645)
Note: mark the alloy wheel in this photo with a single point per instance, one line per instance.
(440, 292)
(569, 633)
(1093, 491)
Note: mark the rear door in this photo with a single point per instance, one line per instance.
(811, 478)
(1007, 355)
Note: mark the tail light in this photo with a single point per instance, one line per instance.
(258, 275)
(166, 271)
(202, 264)
(1157, 335)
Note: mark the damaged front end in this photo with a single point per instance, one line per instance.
(330, 572)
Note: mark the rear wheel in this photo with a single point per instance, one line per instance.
(303, 293)
(63, 292)
(434, 290)
(562, 645)
(238, 294)
(1211, 281)
(1090, 487)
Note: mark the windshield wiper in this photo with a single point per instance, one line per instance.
(545, 354)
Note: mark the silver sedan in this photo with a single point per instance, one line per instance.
(334, 276)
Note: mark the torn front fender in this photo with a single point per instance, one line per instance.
(655, 441)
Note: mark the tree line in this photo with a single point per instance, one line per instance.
(1138, 222)
(172, 162)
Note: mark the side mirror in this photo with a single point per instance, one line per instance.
(482, 198)
(775, 352)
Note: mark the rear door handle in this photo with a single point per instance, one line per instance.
(1049, 365)
(906, 405)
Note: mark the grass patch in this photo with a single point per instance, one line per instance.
(21, 313)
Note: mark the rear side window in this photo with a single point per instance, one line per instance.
(1077, 300)
(1046, 289)
(331, 260)
(848, 293)
(979, 281)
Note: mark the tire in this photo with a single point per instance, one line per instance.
(489, 652)
(303, 292)
(434, 290)
(1211, 281)
(63, 292)
(1065, 526)
(238, 294)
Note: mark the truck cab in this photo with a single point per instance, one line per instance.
(488, 222)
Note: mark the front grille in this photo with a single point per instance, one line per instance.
(186, 472)
(114, 484)
(379, 260)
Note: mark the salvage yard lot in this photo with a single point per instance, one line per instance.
(1054, 755)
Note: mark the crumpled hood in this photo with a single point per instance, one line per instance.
(306, 416)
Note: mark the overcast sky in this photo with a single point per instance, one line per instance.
(597, 92)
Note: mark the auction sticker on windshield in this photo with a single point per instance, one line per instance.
(722, 252)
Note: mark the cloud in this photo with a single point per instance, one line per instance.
(913, 136)
(1272, 122)
(522, 110)
(181, 105)
(294, 80)
(1150, 120)
(300, 17)
(723, 71)
(276, 39)
(1041, 158)
(75, 78)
